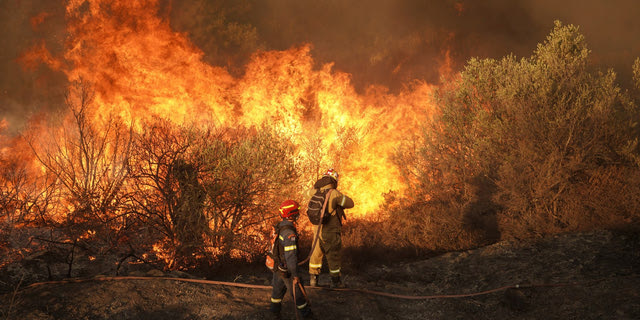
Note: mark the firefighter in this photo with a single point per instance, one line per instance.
(329, 243)
(286, 275)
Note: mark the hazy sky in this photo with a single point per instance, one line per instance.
(386, 42)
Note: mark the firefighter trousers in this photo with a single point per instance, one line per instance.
(282, 282)
(329, 245)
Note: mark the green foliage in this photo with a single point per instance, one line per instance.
(204, 195)
(249, 172)
(516, 143)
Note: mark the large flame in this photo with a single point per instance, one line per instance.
(140, 67)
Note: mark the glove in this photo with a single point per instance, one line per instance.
(296, 280)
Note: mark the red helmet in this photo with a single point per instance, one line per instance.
(289, 208)
(332, 173)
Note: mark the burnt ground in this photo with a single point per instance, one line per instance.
(573, 276)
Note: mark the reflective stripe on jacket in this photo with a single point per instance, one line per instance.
(336, 198)
(289, 247)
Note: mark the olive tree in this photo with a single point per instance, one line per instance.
(249, 172)
(530, 146)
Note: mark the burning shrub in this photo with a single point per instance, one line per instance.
(80, 169)
(167, 198)
(179, 196)
(249, 172)
(206, 194)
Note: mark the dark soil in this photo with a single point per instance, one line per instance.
(574, 276)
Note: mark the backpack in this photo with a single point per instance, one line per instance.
(273, 258)
(317, 207)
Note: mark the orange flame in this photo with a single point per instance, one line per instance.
(38, 20)
(459, 7)
(37, 55)
(141, 67)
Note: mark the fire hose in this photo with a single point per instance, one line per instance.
(296, 283)
(366, 291)
(319, 230)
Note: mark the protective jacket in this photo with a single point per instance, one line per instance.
(335, 205)
(330, 242)
(288, 247)
(287, 270)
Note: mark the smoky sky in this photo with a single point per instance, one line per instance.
(378, 42)
(390, 42)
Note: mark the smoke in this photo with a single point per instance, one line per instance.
(391, 42)
(27, 87)
(378, 42)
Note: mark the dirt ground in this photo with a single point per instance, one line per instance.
(574, 276)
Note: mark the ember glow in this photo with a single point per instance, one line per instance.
(140, 67)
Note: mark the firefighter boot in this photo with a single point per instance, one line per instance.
(275, 310)
(337, 283)
(306, 313)
(313, 280)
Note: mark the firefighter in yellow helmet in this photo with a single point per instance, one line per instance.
(329, 241)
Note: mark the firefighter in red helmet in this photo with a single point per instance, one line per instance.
(329, 242)
(286, 275)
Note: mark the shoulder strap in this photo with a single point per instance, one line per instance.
(324, 205)
(316, 237)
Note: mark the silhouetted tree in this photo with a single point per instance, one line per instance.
(168, 198)
(87, 157)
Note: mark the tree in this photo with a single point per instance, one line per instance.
(205, 195)
(20, 197)
(167, 197)
(528, 143)
(87, 157)
(249, 173)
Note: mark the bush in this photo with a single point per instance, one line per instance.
(522, 147)
(248, 173)
(206, 195)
